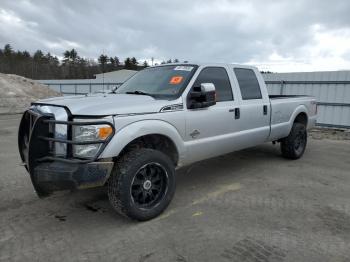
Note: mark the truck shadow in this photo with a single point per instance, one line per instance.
(199, 177)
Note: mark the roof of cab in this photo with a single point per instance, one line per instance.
(209, 64)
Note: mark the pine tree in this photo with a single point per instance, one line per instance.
(127, 63)
(8, 51)
(102, 60)
(74, 55)
(116, 61)
(48, 66)
(134, 63)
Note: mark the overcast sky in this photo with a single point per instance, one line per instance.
(277, 35)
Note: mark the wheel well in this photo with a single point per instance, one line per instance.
(301, 118)
(157, 142)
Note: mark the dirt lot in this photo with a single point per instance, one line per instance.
(250, 205)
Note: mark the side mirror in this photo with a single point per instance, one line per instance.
(202, 96)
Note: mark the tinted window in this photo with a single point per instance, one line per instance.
(248, 83)
(218, 76)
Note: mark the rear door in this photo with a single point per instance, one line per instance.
(254, 120)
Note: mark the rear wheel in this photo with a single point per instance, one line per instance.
(142, 184)
(293, 146)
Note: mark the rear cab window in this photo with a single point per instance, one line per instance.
(248, 83)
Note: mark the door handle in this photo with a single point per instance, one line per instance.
(237, 112)
(265, 109)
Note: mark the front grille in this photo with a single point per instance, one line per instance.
(40, 141)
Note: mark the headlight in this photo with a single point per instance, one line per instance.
(90, 133)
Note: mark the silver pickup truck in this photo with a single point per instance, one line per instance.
(165, 117)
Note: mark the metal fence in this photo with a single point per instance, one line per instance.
(331, 89)
(81, 88)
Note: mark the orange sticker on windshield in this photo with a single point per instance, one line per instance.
(175, 80)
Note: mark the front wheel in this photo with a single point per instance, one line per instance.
(293, 146)
(142, 184)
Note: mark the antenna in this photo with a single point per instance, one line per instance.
(103, 73)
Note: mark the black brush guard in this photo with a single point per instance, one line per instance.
(49, 172)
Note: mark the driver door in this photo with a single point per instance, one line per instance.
(209, 131)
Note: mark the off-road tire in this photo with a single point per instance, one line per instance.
(289, 144)
(122, 177)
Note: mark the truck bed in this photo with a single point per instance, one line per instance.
(282, 109)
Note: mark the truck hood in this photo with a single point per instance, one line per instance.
(108, 104)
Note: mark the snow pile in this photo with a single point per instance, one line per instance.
(17, 92)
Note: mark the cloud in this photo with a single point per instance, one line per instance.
(328, 49)
(281, 35)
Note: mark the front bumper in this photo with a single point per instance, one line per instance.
(50, 172)
(54, 176)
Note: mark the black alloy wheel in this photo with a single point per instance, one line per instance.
(293, 146)
(142, 184)
(149, 185)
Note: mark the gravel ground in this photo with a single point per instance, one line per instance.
(251, 205)
(17, 92)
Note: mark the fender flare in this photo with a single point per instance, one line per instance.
(141, 128)
(297, 111)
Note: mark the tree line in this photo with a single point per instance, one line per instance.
(72, 66)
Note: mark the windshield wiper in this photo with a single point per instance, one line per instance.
(137, 92)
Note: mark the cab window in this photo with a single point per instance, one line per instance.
(248, 83)
(218, 76)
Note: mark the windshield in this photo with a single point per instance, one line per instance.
(159, 82)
